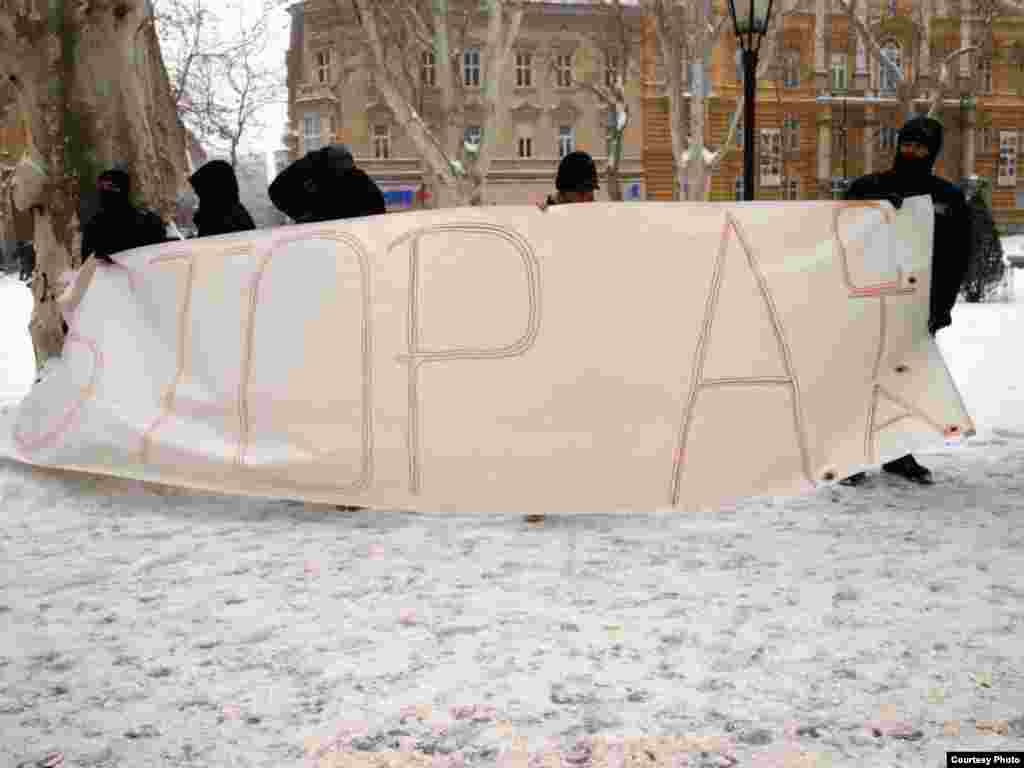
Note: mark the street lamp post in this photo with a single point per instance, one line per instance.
(750, 21)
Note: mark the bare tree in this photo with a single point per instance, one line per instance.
(687, 33)
(399, 34)
(219, 81)
(607, 64)
(925, 70)
(250, 87)
(91, 90)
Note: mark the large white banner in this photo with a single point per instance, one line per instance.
(589, 358)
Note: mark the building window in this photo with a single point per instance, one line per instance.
(738, 188)
(473, 135)
(791, 134)
(563, 70)
(428, 69)
(839, 73)
(889, 76)
(471, 68)
(985, 140)
(311, 138)
(790, 69)
(985, 76)
(790, 189)
(566, 140)
(524, 69)
(887, 137)
(611, 70)
(1007, 158)
(838, 188)
(381, 142)
(771, 157)
(525, 146)
(323, 66)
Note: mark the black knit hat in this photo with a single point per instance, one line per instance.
(577, 173)
(923, 130)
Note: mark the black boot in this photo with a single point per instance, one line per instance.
(908, 468)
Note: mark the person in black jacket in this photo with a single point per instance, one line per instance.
(324, 185)
(220, 209)
(920, 142)
(25, 253)
(118, 225)
(575, 182)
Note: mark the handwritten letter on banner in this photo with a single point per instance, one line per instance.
(589, 358)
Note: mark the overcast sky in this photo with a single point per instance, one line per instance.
(276, 117)
(269, 138)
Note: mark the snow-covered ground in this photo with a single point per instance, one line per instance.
(879, 626)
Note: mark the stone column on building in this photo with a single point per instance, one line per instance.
(870, 137)
(965, 40)
(862, 76)
(925, 78)
(969, 114)
(825, 150)
(824, 125)
(821, 16)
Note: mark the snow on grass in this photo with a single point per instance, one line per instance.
(876, 626)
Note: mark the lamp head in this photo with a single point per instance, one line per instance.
(751, 19)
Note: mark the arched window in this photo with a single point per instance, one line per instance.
(889, 78)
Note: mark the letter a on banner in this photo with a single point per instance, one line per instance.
(755, 342)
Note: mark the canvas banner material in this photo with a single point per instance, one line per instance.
(587, 358)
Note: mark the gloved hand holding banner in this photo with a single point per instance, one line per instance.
(589, 358)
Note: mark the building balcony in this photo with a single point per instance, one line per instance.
(307, 93)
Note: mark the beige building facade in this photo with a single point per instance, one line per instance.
(332, 97)
(827, 112)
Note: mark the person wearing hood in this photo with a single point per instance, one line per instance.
(118, 225)
(324, 185)
(575, 182)
(919, 144)
(25, 253)
(220, 208)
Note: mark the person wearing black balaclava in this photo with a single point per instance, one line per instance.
(118, 225)
(220, 207)
(919, 144)
(324, 185)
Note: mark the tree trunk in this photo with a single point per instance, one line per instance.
(451, 174)
(615, 145)
(93, 92)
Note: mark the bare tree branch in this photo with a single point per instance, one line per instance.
(942, 81)
(396, 36)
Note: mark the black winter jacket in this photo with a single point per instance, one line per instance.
(952, 244)
(324, 185)
(220, 209)
(113, 230)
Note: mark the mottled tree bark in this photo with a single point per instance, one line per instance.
(92, 91)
